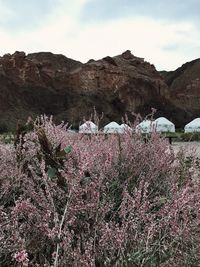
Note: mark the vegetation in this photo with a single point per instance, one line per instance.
(73, 200)
(7, 138)
(181, 136)
(195, 136)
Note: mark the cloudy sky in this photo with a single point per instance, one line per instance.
(165, 33)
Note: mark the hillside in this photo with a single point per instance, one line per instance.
(184, 89)
(47, 83)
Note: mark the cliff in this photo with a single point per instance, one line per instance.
(184, 89)
(43, 82)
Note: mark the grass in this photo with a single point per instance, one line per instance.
(7, 138)
(180, 136)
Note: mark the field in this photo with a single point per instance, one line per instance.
(193, 146)
(98, 201)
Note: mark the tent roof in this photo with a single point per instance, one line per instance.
(145, 126)
(146, 123)
(88, 127)
(163, 120)
(88, 124)
(193, 123)
(124, 125)
(112, 124)
(113, 127)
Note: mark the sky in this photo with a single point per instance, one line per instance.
(165, 33)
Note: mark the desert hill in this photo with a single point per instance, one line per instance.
(47, 83)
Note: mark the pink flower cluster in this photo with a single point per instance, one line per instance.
(22, 257)
(73, 200)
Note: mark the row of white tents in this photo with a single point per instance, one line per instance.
(160, 125)
(112, 127)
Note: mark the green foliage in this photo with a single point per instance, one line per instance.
(51, 172)
(179, 135)
(68, 149)
(195, 136)
(141, 257)
(7, 138)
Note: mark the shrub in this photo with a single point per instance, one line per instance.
(195, 136)
(73, 200)
(7, 138)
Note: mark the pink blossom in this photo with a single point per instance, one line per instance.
(22, 257)
(105, 201)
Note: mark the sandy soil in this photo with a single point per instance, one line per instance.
(187, 146)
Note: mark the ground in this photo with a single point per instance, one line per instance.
(187, 146)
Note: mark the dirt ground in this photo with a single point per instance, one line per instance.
(187, 146)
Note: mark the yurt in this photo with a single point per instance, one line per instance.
(164, 125)
(193, 126)
(125, 128)
(88, 127)
(145, 126)
(112, 127)
(70, 131)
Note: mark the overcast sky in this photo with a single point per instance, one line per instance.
(165, 33)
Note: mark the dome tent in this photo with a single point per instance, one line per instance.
(145, 126)
(125, 128)
(164, 125)
(193, 126)
(112, 127)
(88, 127)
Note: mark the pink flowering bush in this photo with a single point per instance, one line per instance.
(77, 200)
(21, 257)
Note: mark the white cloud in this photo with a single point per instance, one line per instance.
(63, 32)
(144, 37)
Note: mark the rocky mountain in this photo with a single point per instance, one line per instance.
(43, 82)
(184, 89)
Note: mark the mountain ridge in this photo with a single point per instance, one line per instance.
(53, 84)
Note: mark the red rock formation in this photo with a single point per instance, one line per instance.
(184, 90)
(53, 84)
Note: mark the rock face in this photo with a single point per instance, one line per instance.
(54, 84)
(184, 90)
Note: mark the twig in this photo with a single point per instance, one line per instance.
(60, 230)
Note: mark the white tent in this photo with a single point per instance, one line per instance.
(125, 128)
(145, 126)
(164, 125)
(112, 127)
(70, 131)
(193, 126)
(88, 127)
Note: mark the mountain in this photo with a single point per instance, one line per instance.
(184, 89)
(53, 84)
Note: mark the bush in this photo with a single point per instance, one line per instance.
(195, 136)
(7, 138)
(73, 200)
